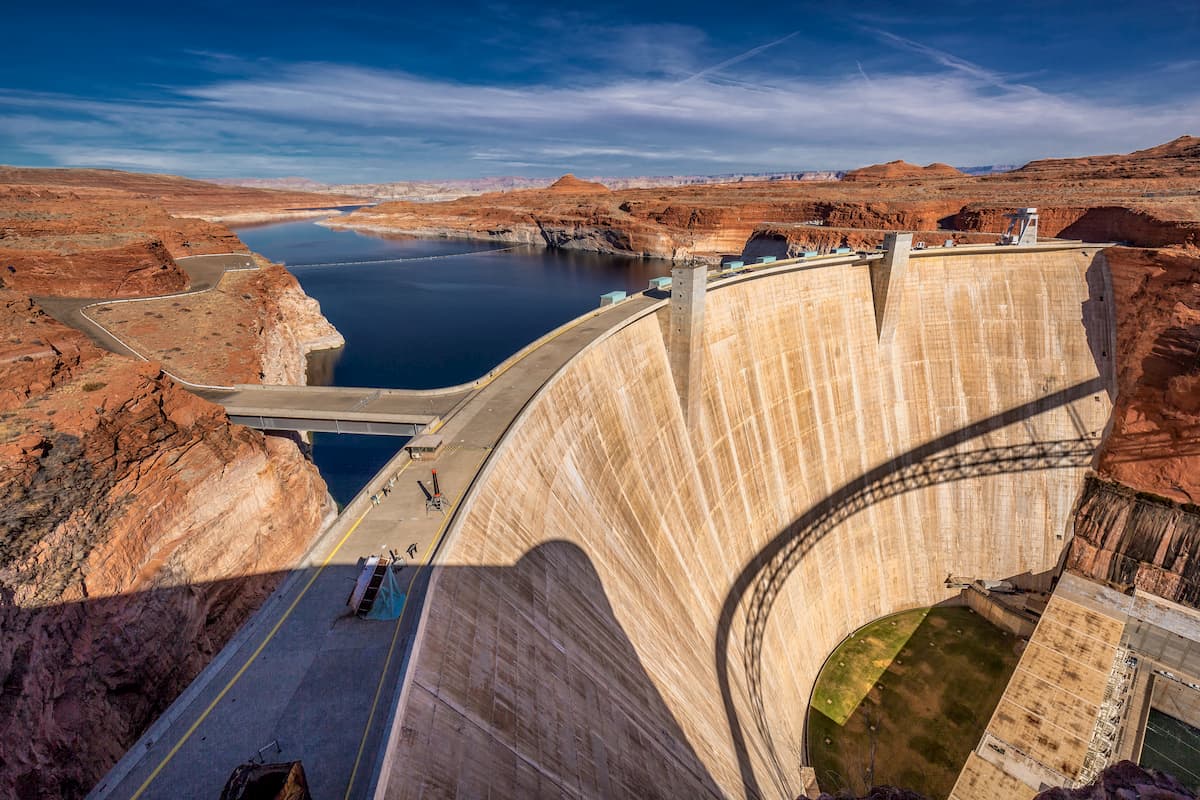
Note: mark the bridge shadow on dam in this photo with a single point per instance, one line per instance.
(519, 712)
(941, 460)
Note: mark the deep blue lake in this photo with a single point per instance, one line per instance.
(423, 313)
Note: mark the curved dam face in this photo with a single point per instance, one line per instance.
(632, 605)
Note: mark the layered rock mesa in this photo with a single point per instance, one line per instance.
(901, 170)
(92, 242)
(140, 528)
(1146, 198)
(102, 233)
(77, 239)
(659, 595)
(185, 197)
(428, 191)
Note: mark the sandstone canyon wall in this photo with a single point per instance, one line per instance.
(140, 528)
(1138, 524)
(97, 243)
(183, 197)
(255, 326)
(1131, 541)
(1154, 445)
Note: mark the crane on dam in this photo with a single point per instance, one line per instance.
(1022, 227)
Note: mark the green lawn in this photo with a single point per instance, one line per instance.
(904, 700)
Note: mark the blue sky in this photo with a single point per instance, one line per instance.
(347, 92)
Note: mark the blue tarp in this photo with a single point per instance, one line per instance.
(389, 602)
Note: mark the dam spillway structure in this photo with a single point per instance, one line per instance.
(640, 587)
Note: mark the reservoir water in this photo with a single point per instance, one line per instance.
(423, 313)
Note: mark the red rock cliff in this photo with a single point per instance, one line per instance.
(1154, 442)
(140, 530)
(1138, 524)
(97, 243)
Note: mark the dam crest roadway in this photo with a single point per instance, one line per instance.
(360, 704)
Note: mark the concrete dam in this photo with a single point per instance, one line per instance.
(640, 587)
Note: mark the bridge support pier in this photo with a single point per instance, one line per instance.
(887, 283)
(688, 285)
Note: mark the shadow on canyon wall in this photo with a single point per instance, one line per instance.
(1118, 224)
(80, 681)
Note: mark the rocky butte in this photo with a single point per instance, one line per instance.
(1146, 199)
(140, 528)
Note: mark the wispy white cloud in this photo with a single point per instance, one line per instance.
(738, 59)
(340, 122)
(1183, 65)
(945, 59)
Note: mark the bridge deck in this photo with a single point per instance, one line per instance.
(328, 402)
(389, 412)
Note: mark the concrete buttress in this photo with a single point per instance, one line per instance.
(688, 285)
(887, 283)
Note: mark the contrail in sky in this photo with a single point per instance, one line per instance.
(736, 59)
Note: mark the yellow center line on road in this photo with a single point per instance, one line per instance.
(203, 716)
(396, 633)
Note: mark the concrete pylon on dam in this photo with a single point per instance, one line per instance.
(688, 286)
(887, 283)
(637, 594)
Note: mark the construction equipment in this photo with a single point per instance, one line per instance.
(377, 593)
(1022, 227)
(257, 781)
(434, 501)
